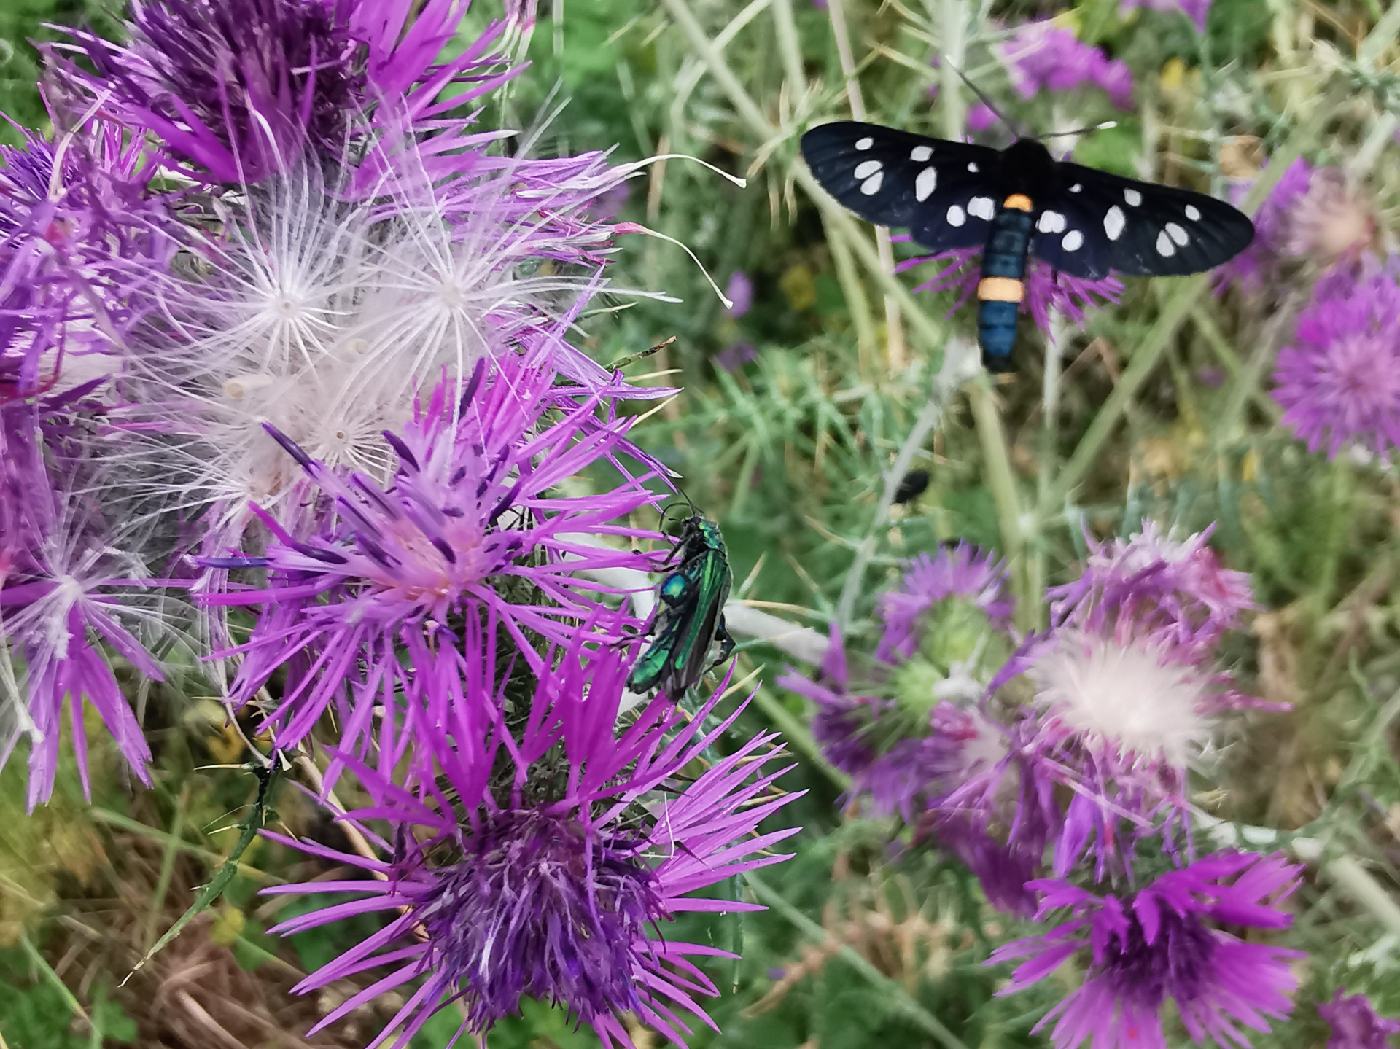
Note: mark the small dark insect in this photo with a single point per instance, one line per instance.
(911, 486)
(689, 615)
(1016, 202)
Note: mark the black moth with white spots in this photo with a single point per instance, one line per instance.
(1084, 222)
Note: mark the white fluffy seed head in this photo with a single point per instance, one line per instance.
(322, 310)
(1124, 695)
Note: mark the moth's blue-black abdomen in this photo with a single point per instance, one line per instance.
(996, 334)
(1002, 287)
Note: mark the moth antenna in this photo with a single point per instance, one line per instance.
(1102, 125)
(1010, 124)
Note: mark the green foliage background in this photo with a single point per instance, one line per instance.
(1161, 412)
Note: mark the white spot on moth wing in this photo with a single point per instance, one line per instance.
(1076, 188)
(1132, 196)
(1113, 222)
(866, 168)
(1165, 247)
(871, 186)
(920, 153)
(956, 216)
(982, 208)
(925, 184)
(864, 143)
(1193, 212)
(1074, 240)
(1051, 222)
(972, 166)
(1177, 234)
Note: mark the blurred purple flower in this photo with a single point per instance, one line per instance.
(545, 853)
(980, 117)
(1251, 269)
(1339, 380)
(1046, 290)
(1041, 56)
(1196, 10)
(1333, 221)
(739, 291)
(735, 356)
(1125, 691)
(914, 735)
(1356, 1024)
(1152, 583)
(368, 603)
(1166, 940)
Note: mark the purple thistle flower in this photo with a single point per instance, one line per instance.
(915, 736)
(1339, 380)
(1047, 292)
(1154, 584)
(1251, 269)
(472, 525)
(904, 733)
(241, 89)
(1196, 10)
(78, 226)
(67, 596)
(1167, 940)
(543, 861)
(960, 572)
(1041, 56)
(1356, 1024)
(1124, 692)
(236, 88)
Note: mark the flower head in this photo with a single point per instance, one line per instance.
(472, 524)
(79, 226)
(1356, 1024)
(1339, 379)
(1152, 583)
(241, 89)
(1169, 939)
(324, 313)
(546, 853)
(1332, 221)
(1124, 694)
(69, 597)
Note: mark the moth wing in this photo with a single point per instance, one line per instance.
(935, 188)
(1134, 228)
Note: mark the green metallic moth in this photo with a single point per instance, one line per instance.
(689, 614)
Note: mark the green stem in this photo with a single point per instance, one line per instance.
(54, 980)
(115, 819)
(814, 932)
